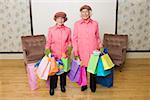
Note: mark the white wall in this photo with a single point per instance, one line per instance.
(43, 11)
(104, 11)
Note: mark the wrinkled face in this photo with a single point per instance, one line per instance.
(85, 14)
(60, 20)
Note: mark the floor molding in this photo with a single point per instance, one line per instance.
(129, 55)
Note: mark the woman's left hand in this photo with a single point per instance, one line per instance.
(69, 50)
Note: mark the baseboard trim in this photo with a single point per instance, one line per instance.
(11, 56)
(138, 55)
(129, 55)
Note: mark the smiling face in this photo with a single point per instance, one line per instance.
(85, 14)
(60, 20)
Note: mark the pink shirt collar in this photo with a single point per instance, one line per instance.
(59, 27)
(87, 21)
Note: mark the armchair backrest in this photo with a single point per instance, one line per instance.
(33, 47)
(113, 40)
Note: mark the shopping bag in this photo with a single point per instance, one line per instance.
(74, 73)
(107, 62)
(61, 70)
(44, 66)
(32, 78)
(53, 67)
(104, 50)
(45, 74)
(37, 63)
(100, 69)
(83, 77)
(60, 67)
(65, 62)
(92, 63)
(106, 81)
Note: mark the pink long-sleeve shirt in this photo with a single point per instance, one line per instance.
(59, 38)
(85, 39)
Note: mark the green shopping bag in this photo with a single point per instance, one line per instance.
(92, 64)
(65, 62)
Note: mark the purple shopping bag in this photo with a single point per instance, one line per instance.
(74, 73)
(83, 78)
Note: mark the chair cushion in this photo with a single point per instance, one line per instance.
(115, 52)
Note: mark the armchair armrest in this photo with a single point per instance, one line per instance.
(25, 52)
(124, 49)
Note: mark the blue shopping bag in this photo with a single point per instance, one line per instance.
(106, 81)
(100, 69)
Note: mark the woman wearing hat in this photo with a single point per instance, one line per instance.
(58, 42)
(85, 40)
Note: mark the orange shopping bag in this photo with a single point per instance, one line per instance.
(53, 67)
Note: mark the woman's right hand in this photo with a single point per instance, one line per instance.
(77, 58)
(69, 51)
(47, 52)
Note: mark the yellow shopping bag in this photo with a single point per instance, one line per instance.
(107, 62)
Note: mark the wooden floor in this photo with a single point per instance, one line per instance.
(133, 83)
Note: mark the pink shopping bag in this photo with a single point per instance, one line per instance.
(83, 78)
(32, 78)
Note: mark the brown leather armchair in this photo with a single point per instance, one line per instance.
(117, 47)
(33, 48)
